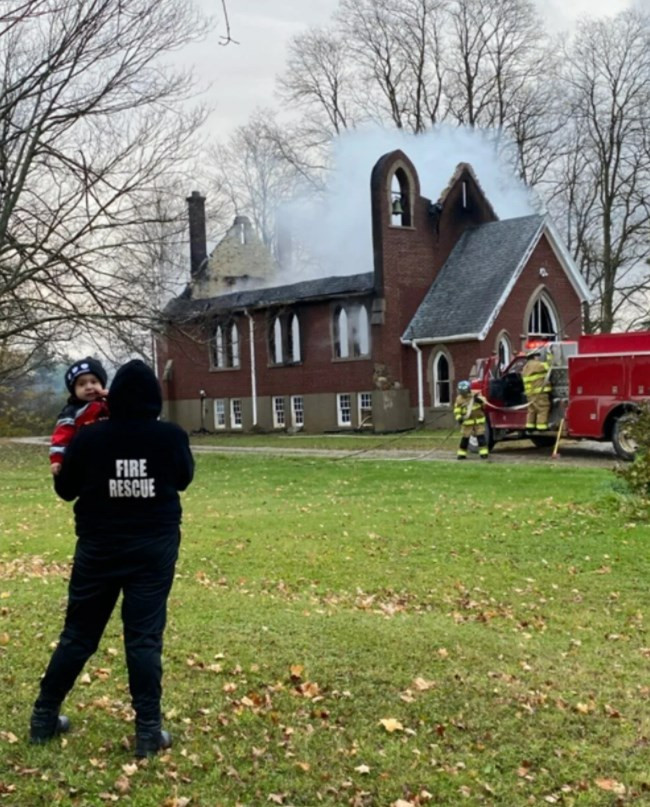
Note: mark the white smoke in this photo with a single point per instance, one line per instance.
(332, 234)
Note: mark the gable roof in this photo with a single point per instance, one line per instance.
(479, 274)
(465, 168)
(304, 291)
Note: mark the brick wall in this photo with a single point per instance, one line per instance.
(406, 261)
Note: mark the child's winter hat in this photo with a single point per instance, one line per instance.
(87, 365)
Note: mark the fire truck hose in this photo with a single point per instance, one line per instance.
(492, 406)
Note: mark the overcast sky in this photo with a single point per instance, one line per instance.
(242, 76)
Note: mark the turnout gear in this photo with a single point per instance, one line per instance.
(535, 375)
(469, 413)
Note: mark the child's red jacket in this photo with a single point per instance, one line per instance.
(74, 415)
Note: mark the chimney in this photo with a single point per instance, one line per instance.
(198, 242)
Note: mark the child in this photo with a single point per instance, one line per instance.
(469, 413)
(85, 381)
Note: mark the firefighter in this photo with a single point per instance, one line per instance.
(536, 377)
(470, 415)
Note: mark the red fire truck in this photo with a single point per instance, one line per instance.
(598, 384)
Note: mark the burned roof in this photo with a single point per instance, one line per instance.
(465, 168)
(184, 307)
(473, 283)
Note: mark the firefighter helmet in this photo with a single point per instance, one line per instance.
(464, 387)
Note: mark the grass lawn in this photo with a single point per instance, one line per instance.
(351, 633)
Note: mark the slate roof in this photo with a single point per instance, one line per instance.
(470, 288)
(344, 285)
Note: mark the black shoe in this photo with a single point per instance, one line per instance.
(148, 743)
(45, 725)
(461, 457)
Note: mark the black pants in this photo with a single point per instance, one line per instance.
(143, 571)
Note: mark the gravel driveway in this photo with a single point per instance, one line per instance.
(586, 453)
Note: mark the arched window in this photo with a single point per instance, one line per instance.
(441, 378)
(400, 199)
(504, 351)
(219, 354)
(542, 319)
(342, 335)
(294, 338)
(226, 345)
(234, 345)
(277, 340)
(284, 338)
(363, 331)
(351, 330)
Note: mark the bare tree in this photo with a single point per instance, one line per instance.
(93, 125)
(396, 48)
(318, 78)
(257, 169)
(492, 52)
(603, 192)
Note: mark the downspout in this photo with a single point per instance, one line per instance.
(251, 339)
(418, 352)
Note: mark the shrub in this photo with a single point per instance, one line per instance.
(637, 473)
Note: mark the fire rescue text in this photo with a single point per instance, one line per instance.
(131, 480)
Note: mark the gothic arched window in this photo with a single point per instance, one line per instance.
(284, 338)
(542, 319)
(441, 378)
(504, 350)
(351, 329)
(225, 345)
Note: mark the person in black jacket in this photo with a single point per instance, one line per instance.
(125, 474)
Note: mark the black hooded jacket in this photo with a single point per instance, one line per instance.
(125, 472)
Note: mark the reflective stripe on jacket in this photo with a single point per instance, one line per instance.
(535, 376)
(470, 408)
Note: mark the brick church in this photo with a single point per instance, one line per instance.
(380, 350)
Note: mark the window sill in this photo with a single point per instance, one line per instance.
(274, 366)
(341, 359)
(225, 369)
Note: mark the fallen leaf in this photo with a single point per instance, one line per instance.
(611, 785)
(122, 784)
(391, 724)
(422, 685)
(362, 769)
